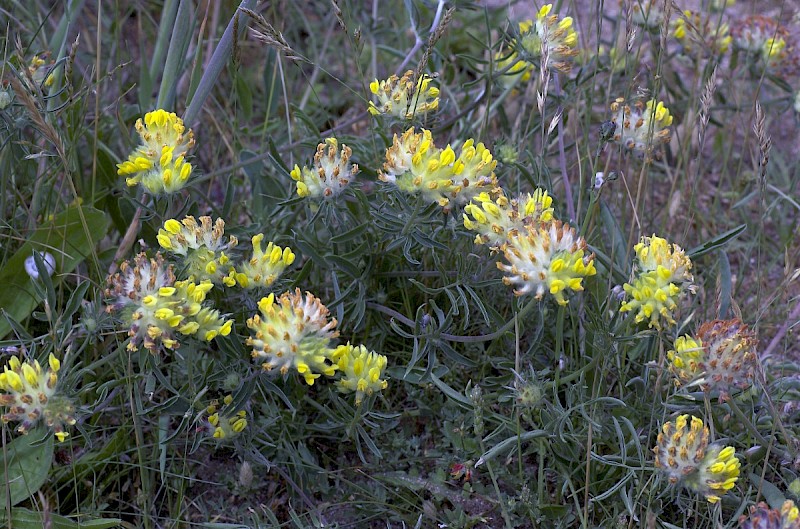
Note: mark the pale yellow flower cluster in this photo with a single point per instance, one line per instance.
(416, 165)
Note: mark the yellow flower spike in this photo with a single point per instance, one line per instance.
(764, 41)
(641, 127)
(201, 244)
(401, 98)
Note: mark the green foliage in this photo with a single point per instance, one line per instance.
(498, 410)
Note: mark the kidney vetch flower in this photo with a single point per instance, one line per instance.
(361, 370)
(546, 257)
(682, 453)
(331, 172)
(293, 331)
(762, 517)
(551, 40)
(159, 161)
(415, 165)
(498, 219)
(265, 265)
(641, 127)
(400, 97)
(30, 393)
(202, 245)
(721, 357)
(663, 276)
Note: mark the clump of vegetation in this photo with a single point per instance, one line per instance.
(419, 265)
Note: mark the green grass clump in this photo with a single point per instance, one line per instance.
(419, 264)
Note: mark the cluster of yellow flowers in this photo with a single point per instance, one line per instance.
(403, 98)
(714, 33)
(203, 248)
(331, 172)
(497, 219)
(31, 394)
(762, 517)
(159, 163)
(295, 332)
(415, 165)
(549, 39)
(201, 245)
(155, 306)
(642, 127)
(762, 38)
(546, 257)
(720, 357)
(682, 452)
(663, 276)
(225, 422)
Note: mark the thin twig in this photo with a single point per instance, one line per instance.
(419, 41)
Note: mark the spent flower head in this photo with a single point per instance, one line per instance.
(720, 358)
(497, 219)
(224, 421)
(546, 257)
(682, 453)
(762, 517)
(293, 332)
(202, 245)
(159, 163)
(662, 277)
(265, 265)
(331, 173)
(362, 370)
(415, 165)
(402, 97)
(549, 38)
(642, 127)
(30, 394)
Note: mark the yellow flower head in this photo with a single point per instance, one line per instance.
(224, 421)
(331, 172)
(415, 165)
(546, 257)
(762, 517)
(265, 266)
(202, 245)
(293, 331)
(721, 357)
(715, 35)
(361, 370)
(29, 393)
(498, 219)
(400, 97)
(682, 452)
(641, 127)
(155, 307)
(551, 40)
(159, 161)
(764, 39)
(662, 278)
(40, 72)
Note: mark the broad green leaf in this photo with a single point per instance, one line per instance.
(28, 462)
(27, 519)
(66, 239)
